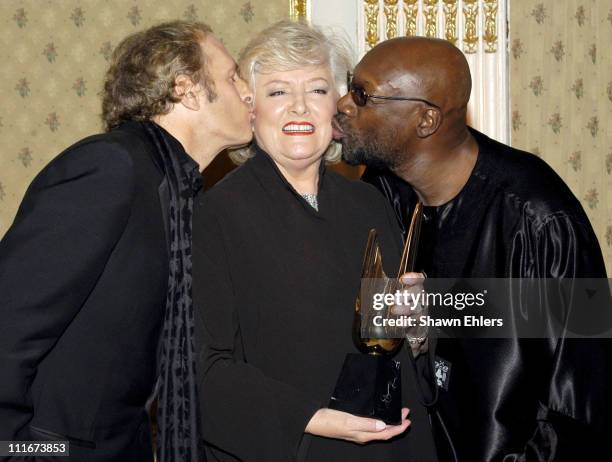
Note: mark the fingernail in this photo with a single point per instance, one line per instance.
(380, 425)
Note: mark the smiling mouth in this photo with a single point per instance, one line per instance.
(298, 129)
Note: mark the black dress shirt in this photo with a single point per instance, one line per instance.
(514, 399)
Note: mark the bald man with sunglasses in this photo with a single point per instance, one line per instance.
(490, 211)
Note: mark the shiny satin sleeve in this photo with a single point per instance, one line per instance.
(560, 246)
(573, 415)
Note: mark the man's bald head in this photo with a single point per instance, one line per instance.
(407, 103)
(432, 69)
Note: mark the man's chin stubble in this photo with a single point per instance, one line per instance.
(362, 155)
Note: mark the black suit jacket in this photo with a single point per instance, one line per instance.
(83, 278)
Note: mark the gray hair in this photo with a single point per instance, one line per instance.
(287, 46)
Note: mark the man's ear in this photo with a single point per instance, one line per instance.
(431, 119)
(187, 91)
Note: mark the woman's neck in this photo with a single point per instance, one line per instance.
(304, 179)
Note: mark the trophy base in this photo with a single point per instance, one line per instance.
(369, 386)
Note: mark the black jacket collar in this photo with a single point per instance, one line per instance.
(273, 180)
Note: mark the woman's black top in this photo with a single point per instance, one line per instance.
(274, 286)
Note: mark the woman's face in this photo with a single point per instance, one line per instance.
(293, 114)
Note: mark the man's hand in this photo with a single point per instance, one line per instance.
(344, 426)
(416, 336)
(412, 283)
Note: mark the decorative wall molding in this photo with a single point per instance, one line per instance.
(470, 36)
(391, 10)
(300, 10)
(490, 28)
(450, 21)
(433, 18)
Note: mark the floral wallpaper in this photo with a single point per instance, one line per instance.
(54, 54)
(561, 97)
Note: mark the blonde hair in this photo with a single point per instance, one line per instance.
(287, 46)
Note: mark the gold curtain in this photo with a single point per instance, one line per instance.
(54, 55)
(561, 97)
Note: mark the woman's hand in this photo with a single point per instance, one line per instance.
(344, 426)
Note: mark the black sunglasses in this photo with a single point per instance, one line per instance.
(360, 96)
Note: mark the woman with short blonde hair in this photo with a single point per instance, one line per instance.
(277, 265)
(290, 45)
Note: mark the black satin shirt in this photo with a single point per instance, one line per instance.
(512, 399)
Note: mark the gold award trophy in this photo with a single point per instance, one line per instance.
(369, 384)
